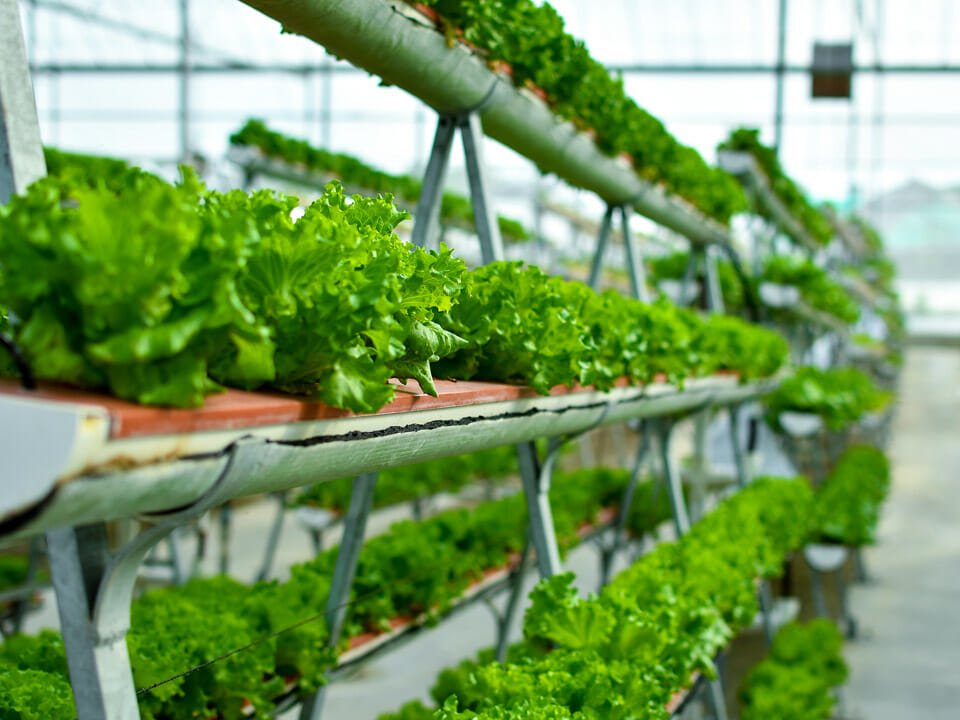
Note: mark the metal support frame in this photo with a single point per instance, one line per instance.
(663, 428)
(765, 596)
(736, 442)
(21, 152)
(536, 487)
(505, 618)
(638, 279)
(820, 597)
(609, 551)
(273, 540)
(426, 228)
(94, 591)
(703, 263)
(354, 530)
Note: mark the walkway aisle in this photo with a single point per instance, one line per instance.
(904, 665)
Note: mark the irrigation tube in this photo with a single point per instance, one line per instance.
(385, 38)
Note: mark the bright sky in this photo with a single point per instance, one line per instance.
(897, 128)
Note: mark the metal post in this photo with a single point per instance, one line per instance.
(99, 666)
(712, 278)
(21, 152)
(717, 701)
(185, 150)
(505, 621)
(739, 457)
(766, 610)
(484, 219)
(225, 516)
(609, 553)
(536, 488)
(354, 529)
(689, 276)
(177, 570)
(816, 587)
(699, 466)
(781, 69)
(596, 268)
(638, 279)
(425, 228)
(681, 520)
(21, 606)
(274, 538)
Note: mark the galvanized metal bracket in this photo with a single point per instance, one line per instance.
(610, 550)
(663, 429)
(638, 280)
(426, 227)
(703, 263)
(354, 530)
(94, 590)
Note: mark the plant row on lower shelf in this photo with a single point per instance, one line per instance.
(417, 570)
(454, 208)
(411, 482)
(796, 681)
(624, 654)
(165, 293)
(848, 502)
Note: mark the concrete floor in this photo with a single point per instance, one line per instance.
(905, 662)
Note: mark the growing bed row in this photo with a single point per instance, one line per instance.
(413, 573)
(164, 293)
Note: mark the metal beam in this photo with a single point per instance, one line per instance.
(21, 153)
(299, 68)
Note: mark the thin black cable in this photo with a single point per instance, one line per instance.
(27, 378)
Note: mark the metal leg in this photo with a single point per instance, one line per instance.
(316, 536)
(354, 529)
(274, 539)
(717, 702)
(851, 623)
(699, 466)
(860, 573)
(596, 268)
(536, 488)
(689, 276)
(766, 610)
(505, 620)
(609, 553)
(94, 591)
(225, 516)
(638, 278)
(739, 456)
(484, 219)
(816, 587)
(714, 291)
(428, 207)
(681, 520)
(178, 572)
(20, 607)
(21, 153)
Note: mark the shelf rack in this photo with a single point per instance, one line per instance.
(402, 46)
(78, 460)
